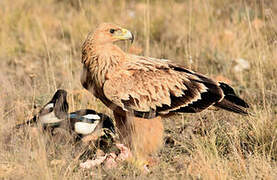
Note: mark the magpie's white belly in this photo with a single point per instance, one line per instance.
(84, 128)
(48, 106)
(91, 116)
(49, 118)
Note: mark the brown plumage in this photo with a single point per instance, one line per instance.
(141, 89)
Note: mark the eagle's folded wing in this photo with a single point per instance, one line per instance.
(150, 87)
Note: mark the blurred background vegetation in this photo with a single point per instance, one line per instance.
(40, 51)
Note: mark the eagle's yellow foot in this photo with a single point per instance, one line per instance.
(143, 164)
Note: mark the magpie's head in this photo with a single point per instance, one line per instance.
(108, 123)
(60, 103)
(59, 95)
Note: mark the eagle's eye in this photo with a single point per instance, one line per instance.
(112, 31)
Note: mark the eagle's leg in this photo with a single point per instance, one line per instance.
(122, 128)
(143, 136)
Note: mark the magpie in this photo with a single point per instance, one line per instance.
(98, 127)
(51, 114)
(87, 121)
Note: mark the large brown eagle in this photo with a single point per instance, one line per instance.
(140, 89)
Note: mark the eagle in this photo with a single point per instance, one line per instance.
(140, 90)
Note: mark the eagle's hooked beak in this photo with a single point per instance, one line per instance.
(125, 34)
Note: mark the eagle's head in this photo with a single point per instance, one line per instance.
(108, 33)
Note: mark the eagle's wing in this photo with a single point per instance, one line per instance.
(148, 87)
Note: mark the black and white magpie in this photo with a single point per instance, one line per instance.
(83, 122)
(86, 122)
(89, 123)
(52, 113)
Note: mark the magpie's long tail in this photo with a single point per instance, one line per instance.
(231, 101)
(28, 123)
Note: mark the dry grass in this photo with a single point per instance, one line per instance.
(40, 51)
